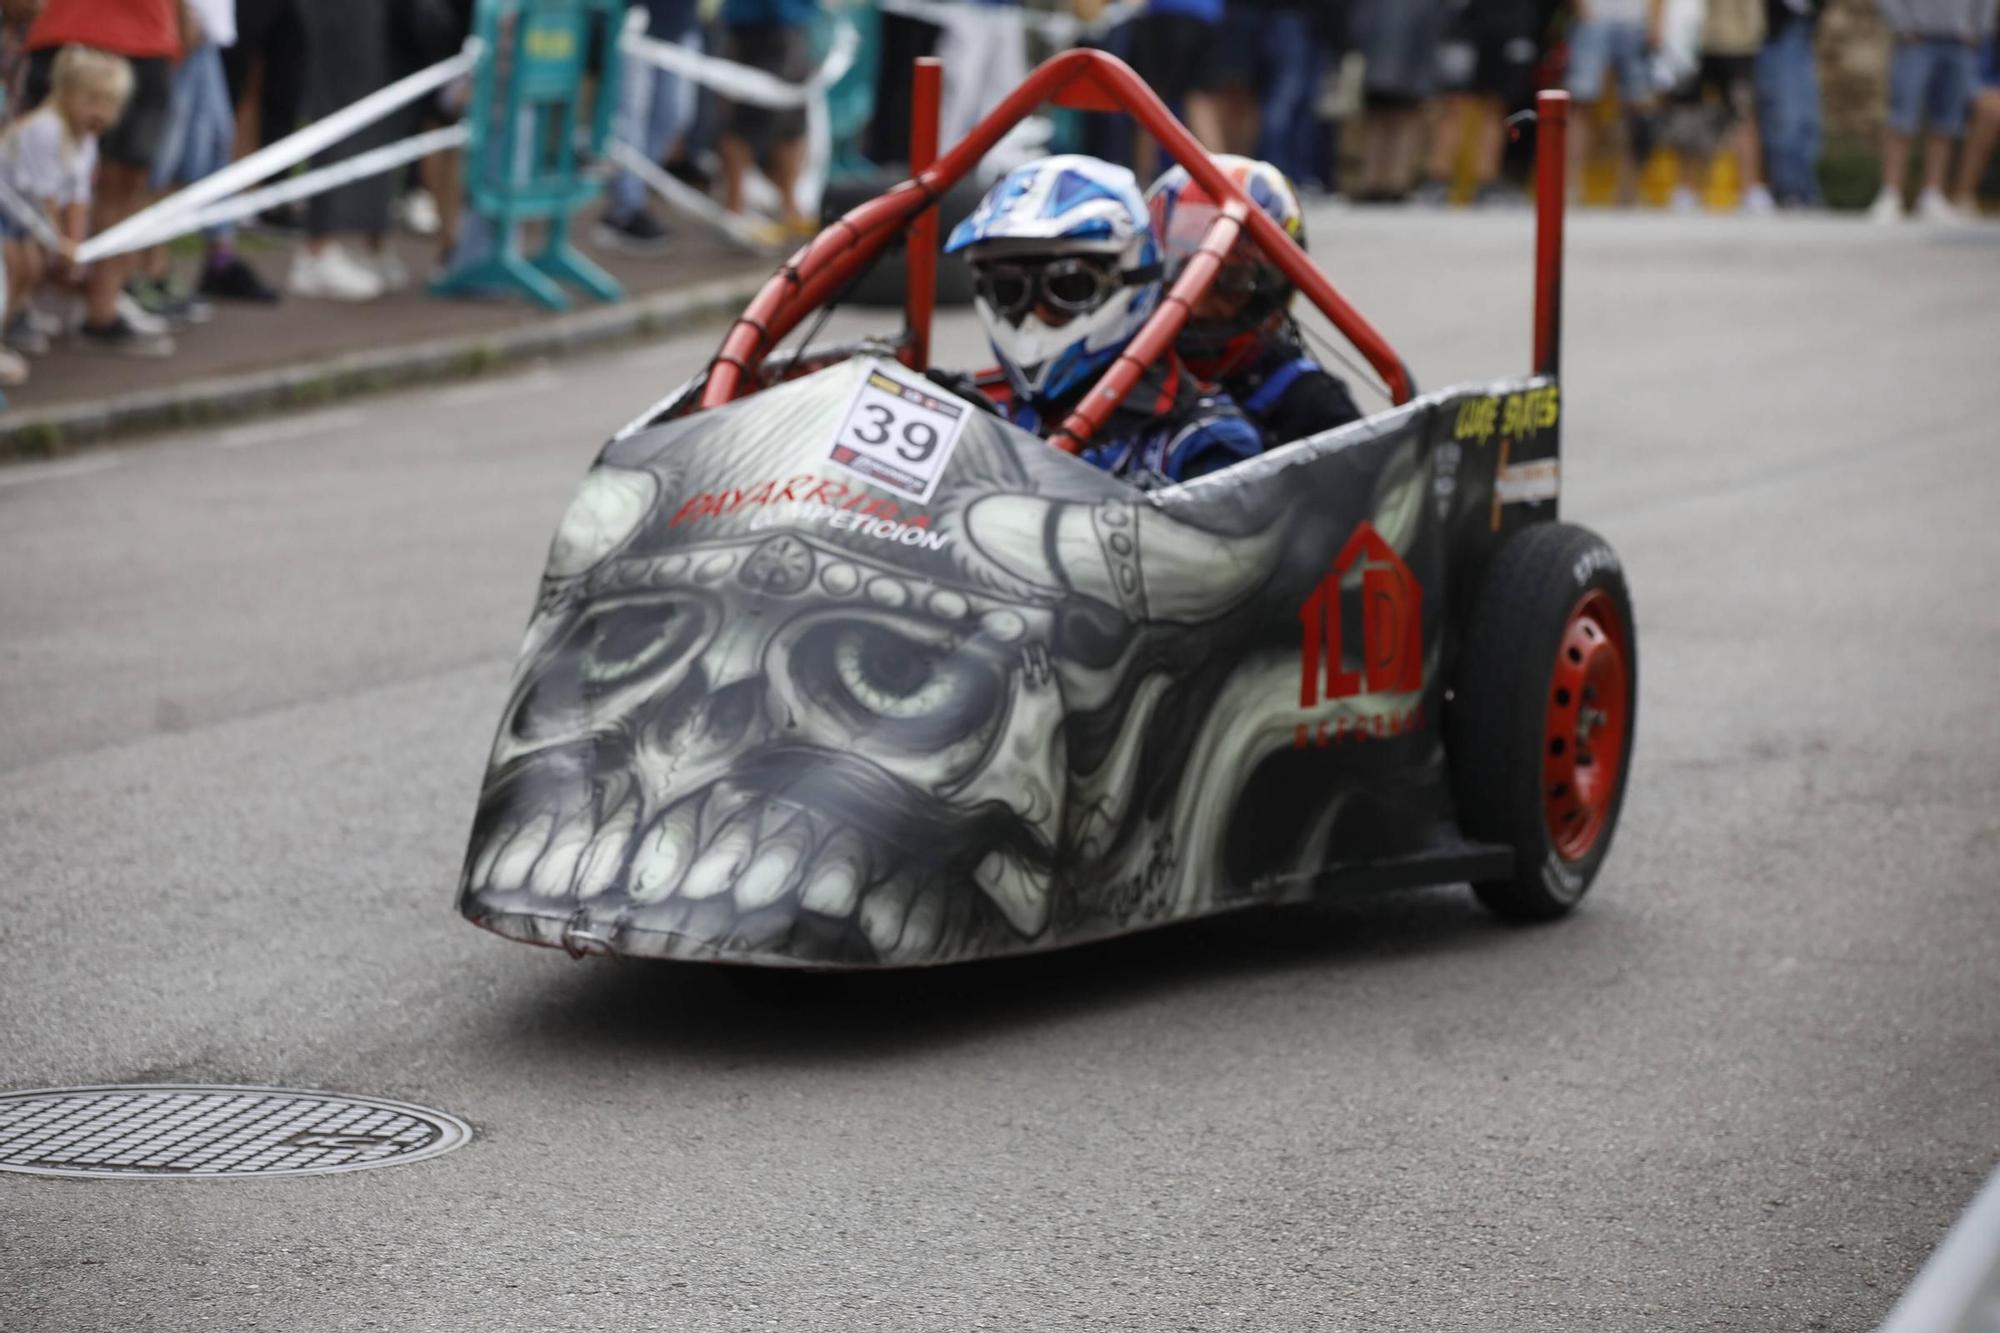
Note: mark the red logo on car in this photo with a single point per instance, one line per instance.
(1390, 656)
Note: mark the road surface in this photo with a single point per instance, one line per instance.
(247, 683)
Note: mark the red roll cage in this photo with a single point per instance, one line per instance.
(1088, 80)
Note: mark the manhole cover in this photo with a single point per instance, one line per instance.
(176, 1130)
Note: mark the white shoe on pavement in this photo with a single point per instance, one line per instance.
(1932, 206)
(389, 267)
(1683, 200)
(1888, 206)
(13, 369)
(333, 275)
(419, 213)
(1758, 203)
(142, 320)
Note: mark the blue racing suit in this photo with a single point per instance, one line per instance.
(1170, 428)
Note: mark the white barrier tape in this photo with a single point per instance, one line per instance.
(24, 212)
(679, 195)
(741, 83)
(371, 163)
(287, 152)
(1056, 29)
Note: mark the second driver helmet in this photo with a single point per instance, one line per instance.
(1066, 269)
(1246, 305)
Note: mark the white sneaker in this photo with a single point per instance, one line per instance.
(389, 267)
(1932, 206)
(333, 275)
(1758, 203)
(1683, 200)
(142, 320)
(13, 370)
(420, 212)
(1888, 206)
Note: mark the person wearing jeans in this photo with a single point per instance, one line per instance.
(1931, 76)
(1289, 60)
(654, 108)
(1788, 101)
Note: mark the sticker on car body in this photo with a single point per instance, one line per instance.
(898, 432)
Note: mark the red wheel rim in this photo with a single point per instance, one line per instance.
(1588, 726)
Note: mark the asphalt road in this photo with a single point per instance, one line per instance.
(248, 680)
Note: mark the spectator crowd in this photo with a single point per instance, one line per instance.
(110, 105)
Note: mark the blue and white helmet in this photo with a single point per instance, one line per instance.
(1064, 207)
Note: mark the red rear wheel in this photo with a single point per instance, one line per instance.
(1540, 724)
(1588, 723)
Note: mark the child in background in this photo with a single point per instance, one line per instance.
(1718, 111)
(49, 156)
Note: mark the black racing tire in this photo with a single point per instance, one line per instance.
(1541, 720)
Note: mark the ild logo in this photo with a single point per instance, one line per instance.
(1389, 655)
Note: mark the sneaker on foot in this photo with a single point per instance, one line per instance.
(123, 338)
(1932, 206)
(1758, 203)
(1683, 200)
(389, 267)
(1888, 207)
(236, 281)
(141, 319)
(638, 233)
(1431, 194)
(757, 235)
(13, 370)
(333, 275)
(162, 303)
(25, 335)
(420, 213)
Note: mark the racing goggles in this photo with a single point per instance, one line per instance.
(1072, 285)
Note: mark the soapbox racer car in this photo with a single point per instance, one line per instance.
(831, 668)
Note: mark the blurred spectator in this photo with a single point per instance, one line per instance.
(1610, 37)
(1931, 76)
(1237, 74)
(267, 71)
(16, 16)
(1174, 43)
(1486, 67)
(1788, 101)
(1984, 136)
(654, 109)
(1399, 40)
(147, 34)
(48, 157)
(984, 46)
(348, 56)
(1291, 61)
(1717, 110)
(200, 136)
(774, 36)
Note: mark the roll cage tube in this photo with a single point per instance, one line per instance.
(1082, 80)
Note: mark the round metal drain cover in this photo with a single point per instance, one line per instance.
(208, 1133)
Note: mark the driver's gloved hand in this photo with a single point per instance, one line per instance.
(964, 385)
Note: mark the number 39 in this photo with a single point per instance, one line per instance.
(919, 437)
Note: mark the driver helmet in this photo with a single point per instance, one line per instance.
(1246, 304)
(1065, 267)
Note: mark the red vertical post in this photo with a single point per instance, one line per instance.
(1551, 198)
(921, 250)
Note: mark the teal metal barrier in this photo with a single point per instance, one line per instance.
(523, 162)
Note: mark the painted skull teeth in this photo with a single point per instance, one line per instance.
(728, 866)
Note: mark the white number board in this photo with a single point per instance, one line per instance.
(899, 431)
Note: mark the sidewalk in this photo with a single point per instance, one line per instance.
(254, 358)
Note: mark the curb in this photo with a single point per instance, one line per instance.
(61, 430)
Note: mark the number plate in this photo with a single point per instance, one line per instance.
(899, 432)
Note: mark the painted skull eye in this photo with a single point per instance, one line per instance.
(616, 644)
(908, 691)
(606, 651)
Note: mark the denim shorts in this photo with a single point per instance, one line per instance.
(1596, 47)
(1931, 79)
